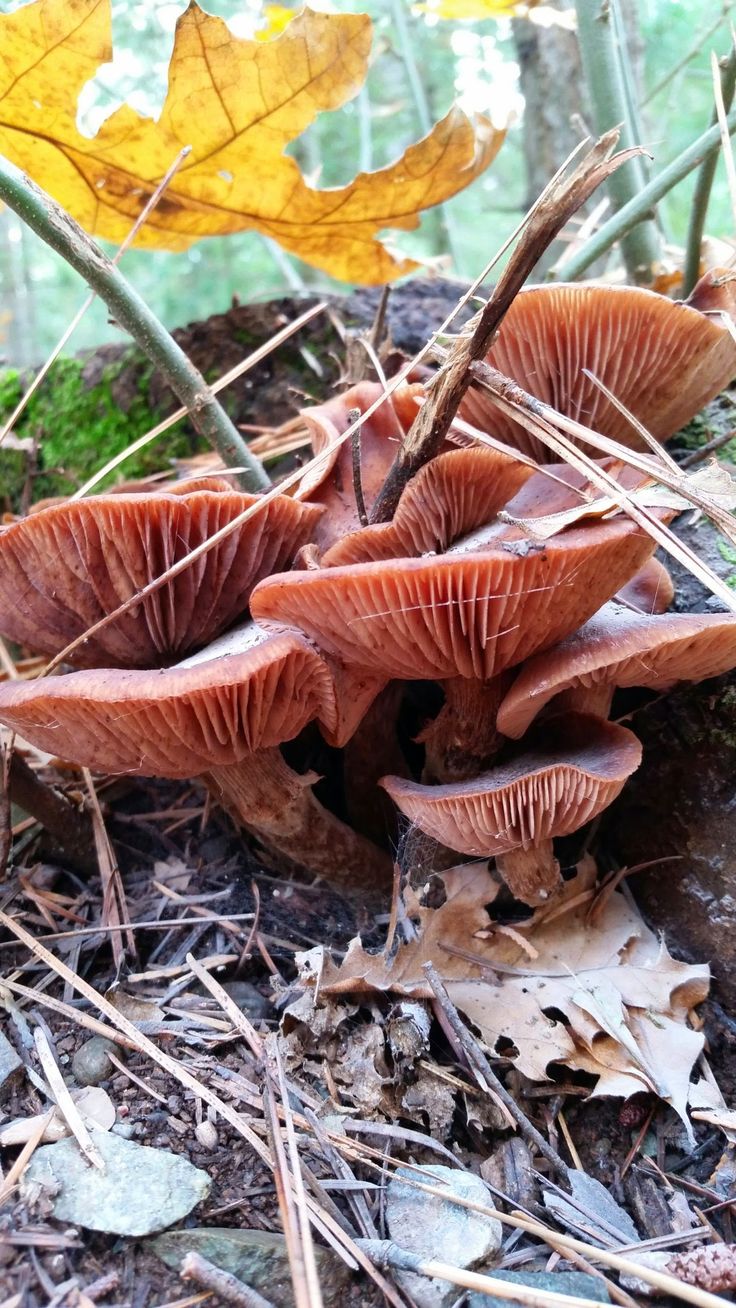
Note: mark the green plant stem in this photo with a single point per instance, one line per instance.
(703, 185)
(622, 222)
(602, 57)
(49, 221)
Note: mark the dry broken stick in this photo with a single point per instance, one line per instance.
(561, 200)
(226, 1286)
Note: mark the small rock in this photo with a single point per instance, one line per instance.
(90, 1064)
(259, 1258)
(141, 1190)
(437, 1228)
(10, 1063)
(578, 1284)
(206, 1133)
(249, 999)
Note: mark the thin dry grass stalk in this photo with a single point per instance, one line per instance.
(544, 422)
(325, 1223)
(64, 1101)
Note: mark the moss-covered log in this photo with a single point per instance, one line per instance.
(92, 406)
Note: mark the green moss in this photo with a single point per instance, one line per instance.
(79, 427)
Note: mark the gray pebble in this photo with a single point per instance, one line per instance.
(90, 1064)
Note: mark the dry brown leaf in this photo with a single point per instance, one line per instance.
(602, 995)
(238, 104)
(710, 487)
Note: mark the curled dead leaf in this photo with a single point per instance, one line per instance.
(602, 995)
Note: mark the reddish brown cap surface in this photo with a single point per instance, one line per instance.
(650, 591)
(576, 772)
(65, 568)
(247, 691)
(452, 494)
(661, 359)
(468, 615)
(331, 484)
(620, 648)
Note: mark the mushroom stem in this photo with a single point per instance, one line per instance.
(596, 700)
(278, 806)
(532, 875)
(370, 753)
(462, 740)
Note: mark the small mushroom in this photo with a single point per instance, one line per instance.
(617, 647)
(513, 812)
(651, 589)
(220, 714)
(459, 618)
(332, 483)
(464, 614)
(64, 568)
(661, 359)
(453, 494)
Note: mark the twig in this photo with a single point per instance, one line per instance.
(662, 1281)
(710, 447)
(620, 223)
(114, 906)
(49, 221)
(148, 208)
(704, 185)
(64, 1101)
(694, 50)
(68, 825)
(9, 1182)
(725, 137)
(602, 58)
(482, 1068)
(387, 1254)
(561, 199)
(196, 1268)
(353, 417)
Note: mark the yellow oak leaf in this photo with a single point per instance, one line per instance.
(238, 104)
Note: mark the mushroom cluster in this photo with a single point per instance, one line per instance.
(302, 615)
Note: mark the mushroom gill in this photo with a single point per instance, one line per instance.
(68, 566)
(661, 359)
(513, 812)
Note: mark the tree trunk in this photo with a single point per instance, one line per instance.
(556, 110)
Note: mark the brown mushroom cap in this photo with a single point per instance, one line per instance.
(661, 359)
(63, 569)
(468, 615)
(452, 494)
(331, 484)
(651, 590)
(576, 771)
(245, 692)
(620, 648)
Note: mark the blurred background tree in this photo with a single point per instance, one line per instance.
(525, 70)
